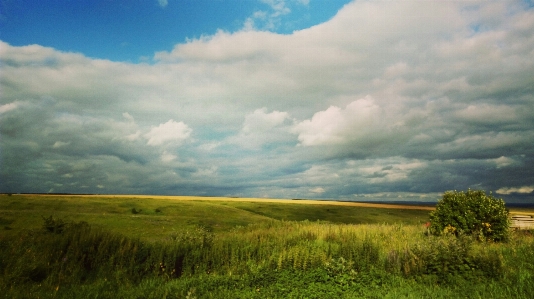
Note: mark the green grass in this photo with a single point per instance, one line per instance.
(26, 212)
(228, 249)
(333, 213)
(20, 212)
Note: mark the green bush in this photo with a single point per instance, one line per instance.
(54, 225)
(471, 213)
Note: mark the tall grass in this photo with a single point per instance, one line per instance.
(64, 259)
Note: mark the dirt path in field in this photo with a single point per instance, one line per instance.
(271, 200)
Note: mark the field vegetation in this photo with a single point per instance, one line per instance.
(128, 247)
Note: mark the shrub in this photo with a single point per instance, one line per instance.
(54, 225)
(471, 213)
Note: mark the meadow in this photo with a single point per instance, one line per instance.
(186, 247)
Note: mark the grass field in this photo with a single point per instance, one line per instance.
(191, 247)
(159, 216)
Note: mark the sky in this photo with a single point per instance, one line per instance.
(320, 99)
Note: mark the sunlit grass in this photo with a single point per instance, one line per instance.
(228, 249)
(160, 216)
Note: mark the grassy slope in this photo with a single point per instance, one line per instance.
(161, 216)
(332, 213)
(26, 212)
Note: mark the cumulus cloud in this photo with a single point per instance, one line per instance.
(523, 190)
(262, 127)
(167, 132)
(335, 125)
(261, 121)
(387, 98)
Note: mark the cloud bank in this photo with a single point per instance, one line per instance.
(390, 100)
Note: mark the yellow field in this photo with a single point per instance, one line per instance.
(264, 200)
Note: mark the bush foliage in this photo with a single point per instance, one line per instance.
(471, 213)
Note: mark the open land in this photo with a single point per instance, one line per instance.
(160, 215)
(124, 246)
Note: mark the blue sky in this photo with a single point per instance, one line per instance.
(345, 100)
(126, 30)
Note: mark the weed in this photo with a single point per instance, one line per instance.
(445, 258)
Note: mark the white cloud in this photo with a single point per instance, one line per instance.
(133, 136)
(206, 172)
(262, 127)
(261, 121)
(60, 144)
(487, 141)
(167, 132)
(318, 190)
(163, 3)
(128, 117)
(489, 114)
(323, 128)
(269, 19)
(390, 173)
(224, 47)
(520, 190)
(336, 126)
(278, 6)
(396, 70)
(9, 106)
(210, 146)
(504, 161)
(168, 157)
